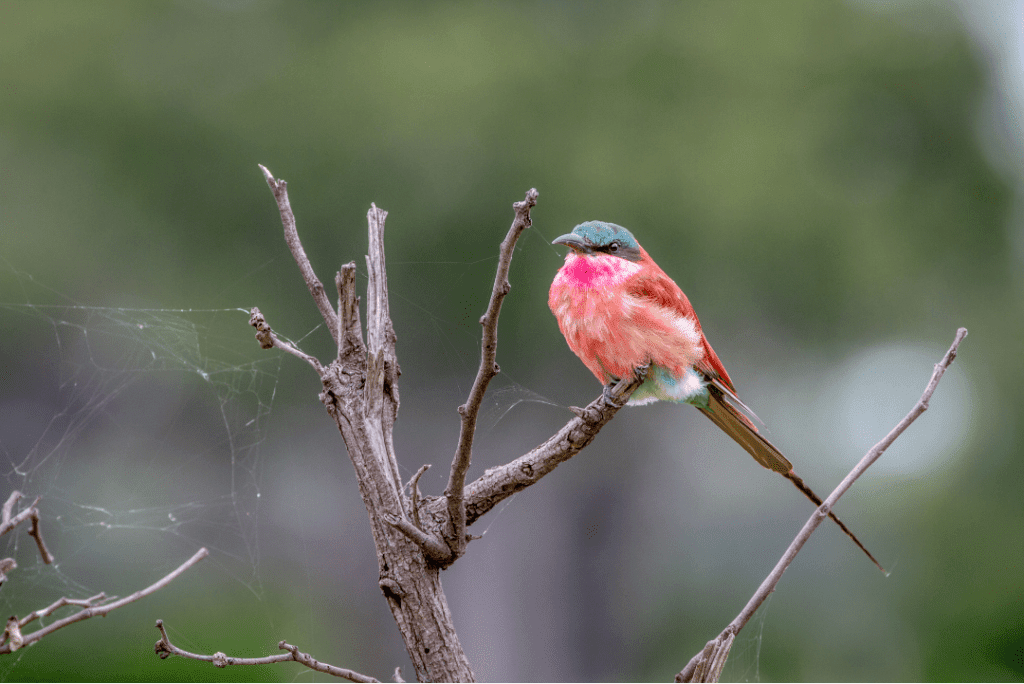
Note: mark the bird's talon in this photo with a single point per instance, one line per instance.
(608, 392)
(641, 371)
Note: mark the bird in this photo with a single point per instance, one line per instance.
(619, 311)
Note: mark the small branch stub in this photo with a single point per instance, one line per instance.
(268, 340)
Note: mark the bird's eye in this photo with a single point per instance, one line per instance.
(614, 247)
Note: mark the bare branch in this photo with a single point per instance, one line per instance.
(291, 236)
(497, 484)
(9, 506)
(360, 392)
(707, 665)
(94, 607)
(60, 603)
(8, 523)
(268, 339)
(38, 536)
(164, 648)
(488, 369)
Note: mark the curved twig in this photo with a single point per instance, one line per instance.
(165, 649)
(707, 665)
(291, 235)
(454, 495)
(94, 607)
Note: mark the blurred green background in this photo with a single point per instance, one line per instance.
(834, 184)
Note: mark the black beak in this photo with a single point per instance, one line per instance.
(572, 241)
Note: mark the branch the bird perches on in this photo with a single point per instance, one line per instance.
(417, 536)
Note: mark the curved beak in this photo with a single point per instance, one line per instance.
(572, 241)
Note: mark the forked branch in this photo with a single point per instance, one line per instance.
(96, 606)
(9, 522)
(498, 484)
(707, 665)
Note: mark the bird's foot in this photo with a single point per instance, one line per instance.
(608, 392)
(641, 372)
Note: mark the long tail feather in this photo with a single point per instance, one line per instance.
(736, 425)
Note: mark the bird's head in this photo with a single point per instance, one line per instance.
(597, 237)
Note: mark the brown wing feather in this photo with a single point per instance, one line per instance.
(652, 283)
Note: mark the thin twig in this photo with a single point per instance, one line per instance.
(8, 523)
(291, 236)
(37, 534)
(707, 665)
(65, 601)
(454, 493)
(95, 607)
(164, 648)
(268, 339)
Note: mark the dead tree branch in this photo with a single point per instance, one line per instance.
(455, 534)
(415, 538)
(268, 340)
(361, 394)
(165, 649)
(97, 606)
(707, 665)
(8, 523)
(291, 236)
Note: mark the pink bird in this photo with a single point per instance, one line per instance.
(618, 311)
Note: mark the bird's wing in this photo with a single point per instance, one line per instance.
(654, 285)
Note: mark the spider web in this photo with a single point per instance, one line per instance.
(141, 436)
(145, 427)
(145, 432)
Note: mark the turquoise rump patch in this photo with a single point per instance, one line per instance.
(662, 385)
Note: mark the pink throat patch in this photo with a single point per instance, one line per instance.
(599, 270)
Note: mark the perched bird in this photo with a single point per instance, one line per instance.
(619, 311)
